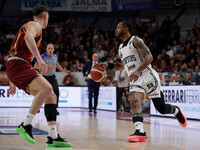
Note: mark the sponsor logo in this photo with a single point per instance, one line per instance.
(128, 59)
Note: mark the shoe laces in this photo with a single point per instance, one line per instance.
(28, 129)
(59, 138)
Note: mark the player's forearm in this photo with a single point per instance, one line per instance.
(115, 66)
(146, 61)
(118, 66)
(31, 44)
(36, 66)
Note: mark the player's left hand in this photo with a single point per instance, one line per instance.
(12, 89)
(66, 71)
(135, 75)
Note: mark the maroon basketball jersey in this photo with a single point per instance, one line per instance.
(19, 47)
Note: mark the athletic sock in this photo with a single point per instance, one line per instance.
(53, 131)
(139, 126)
(29, 119)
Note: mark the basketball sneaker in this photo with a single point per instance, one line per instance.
(26, 133)
(137, 137)
(59, 142)
(182, 120)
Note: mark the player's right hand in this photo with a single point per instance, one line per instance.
(105, 65)
(12, 89)
(43, 66)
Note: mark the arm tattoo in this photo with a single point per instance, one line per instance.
(144, 51)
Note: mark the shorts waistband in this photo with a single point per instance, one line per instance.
(15, 57)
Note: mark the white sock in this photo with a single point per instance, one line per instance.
(176, 111)
(29, 119)
(53, 131)
(139, 126)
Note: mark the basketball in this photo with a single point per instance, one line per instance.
(98, 73)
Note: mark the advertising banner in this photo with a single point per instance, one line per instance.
(107, 98)
(89, 5)
(54, 5)
(187, 98)
(132, 5)
(69, 97)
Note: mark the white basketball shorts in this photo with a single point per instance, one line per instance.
(148, 83)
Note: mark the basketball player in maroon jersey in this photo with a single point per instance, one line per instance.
(22, 75)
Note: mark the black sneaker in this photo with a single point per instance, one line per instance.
(26, 133)
(137, 137)
(57, 113)
(182, 120)
(59, 142)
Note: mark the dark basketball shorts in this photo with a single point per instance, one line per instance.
(21, 73)
(122, 90)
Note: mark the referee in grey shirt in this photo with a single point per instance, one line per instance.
(51, 60)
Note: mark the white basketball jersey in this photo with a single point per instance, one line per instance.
(130, 56)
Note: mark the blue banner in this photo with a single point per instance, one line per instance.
(54, 5)
(133, 5)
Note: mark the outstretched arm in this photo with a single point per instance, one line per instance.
(58, 66)
(118, 66)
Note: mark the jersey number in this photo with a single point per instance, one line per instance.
(150, 85)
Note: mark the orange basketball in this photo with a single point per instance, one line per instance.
(98, 73)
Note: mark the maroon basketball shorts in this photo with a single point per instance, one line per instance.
(21, 73)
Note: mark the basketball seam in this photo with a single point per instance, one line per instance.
(103, 76)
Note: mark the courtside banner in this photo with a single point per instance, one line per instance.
(187, 98)
(89, 5)
(107, 98)
(69, 97)
(132, 5)
(54, 5)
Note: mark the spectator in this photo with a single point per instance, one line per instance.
(100, 51)
(173, 77)
(167, 80)
(69, 80)
(190, 80)
(179, 79)
(80, 52)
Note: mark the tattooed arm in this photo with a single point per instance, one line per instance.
(118, 66)
(145, 53)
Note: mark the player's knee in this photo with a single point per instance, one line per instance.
(51, 99)
(47, 89)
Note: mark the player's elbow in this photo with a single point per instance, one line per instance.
(150, 58)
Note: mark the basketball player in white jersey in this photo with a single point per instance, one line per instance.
(135, 59)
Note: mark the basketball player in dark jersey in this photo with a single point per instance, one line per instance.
(135, 59)
(22, 75)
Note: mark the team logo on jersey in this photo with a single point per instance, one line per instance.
(129, 47)
(130, 67)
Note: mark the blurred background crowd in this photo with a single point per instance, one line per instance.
(74, 45)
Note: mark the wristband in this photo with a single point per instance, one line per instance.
(110, 66)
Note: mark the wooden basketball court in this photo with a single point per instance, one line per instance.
(105, 130)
